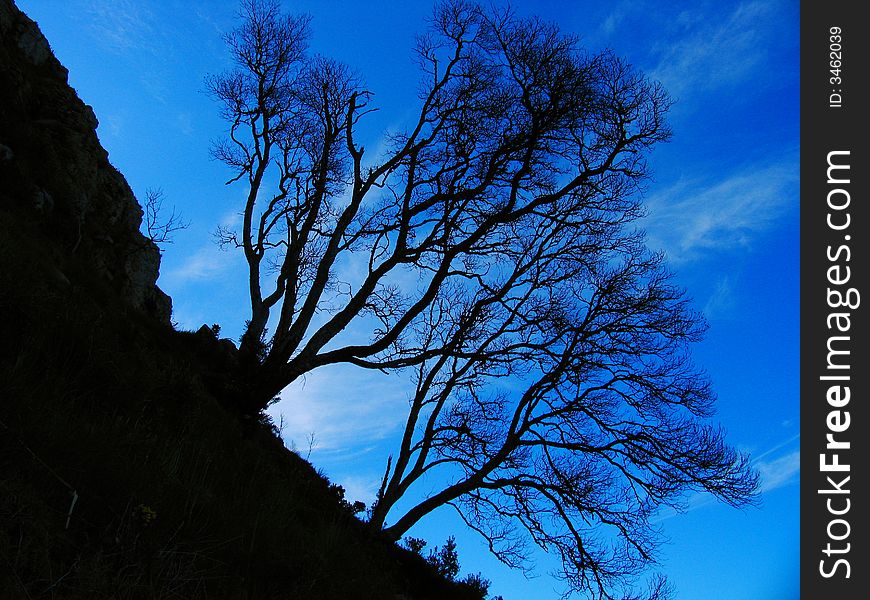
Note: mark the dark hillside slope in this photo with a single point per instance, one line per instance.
(121, 475)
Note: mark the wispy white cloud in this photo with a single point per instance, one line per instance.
(232, 219)
(775, 469)
(778, 469)
(693, 217)
(779, 472)
(207, 263)
(777, 448)
(713, 55)
(185, 122)
(348, 409)
(614, 19)
(359, 487)
(202, 13)
(153, 80)
(112, 125)
(122, 25)
(722, 300)
(134, 32)
(354, 418)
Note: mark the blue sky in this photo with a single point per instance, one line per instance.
(723, 203)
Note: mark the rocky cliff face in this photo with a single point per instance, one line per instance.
(56, 180)
(123, 474)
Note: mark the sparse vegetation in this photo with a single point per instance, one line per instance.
(176, 497)
(445, 561)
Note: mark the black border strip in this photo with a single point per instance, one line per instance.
(835, 300)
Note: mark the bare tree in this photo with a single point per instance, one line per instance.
(488, 253)
(158, 227)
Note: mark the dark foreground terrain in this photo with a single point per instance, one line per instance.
(122, 472)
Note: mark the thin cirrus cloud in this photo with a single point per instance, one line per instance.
(205, 264)
(776, 469)
(712, 56)
(693, 218)
(359, 487)
(208, 262)
(133, 33)
(122, 26)
(347, 409)
(614, 19)
(345, 419)
(780, 471)
(721, 302)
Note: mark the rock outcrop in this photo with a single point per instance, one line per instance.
(56, 179)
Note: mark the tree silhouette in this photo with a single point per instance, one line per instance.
(157, 227)
(488, 252)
